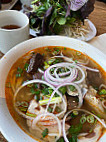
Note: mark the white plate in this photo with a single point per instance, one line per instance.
(8, 6)
(9, 128)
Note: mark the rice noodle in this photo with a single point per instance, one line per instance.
(37, 81)
(64, 119)
(49, 114)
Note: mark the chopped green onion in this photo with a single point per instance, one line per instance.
(31, 114)
(64, 48)
(53, 101)
(76, 61)
(90, 119)
(24, 104)
(22, 109)
(45, 133)
(26, 66)
(75, 112)
(51, 61)
(102, 92)
(83, 119)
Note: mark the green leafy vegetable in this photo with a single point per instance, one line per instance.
(72, 88)
(45, 133)
(60, 140)
(63, 90)
(102, 92)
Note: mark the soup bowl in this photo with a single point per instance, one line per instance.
(8, 127)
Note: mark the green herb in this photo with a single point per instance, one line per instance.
(102, 92)
(83, 119)
(72, 88)
(63, 90)
(50, 90)
(50, 109)
(76, 61)
(36, 86)
(60, 140)
(37, 92)
(26, 66)
(31, 114)
(73, 138)
(45, 133)
(72, 115)
(51, 61)
(45, 91)
(19, 72)
(90, 119)
(75, 129)
(47, 49)
(64, 48)
(43, 77)
(34, 92)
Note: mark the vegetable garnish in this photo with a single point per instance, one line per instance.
(45, 133)
(53, 101)
(51, 17)
(19, 72)
(102, 92)
(90, 119)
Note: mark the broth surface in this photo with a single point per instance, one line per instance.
(93, 79)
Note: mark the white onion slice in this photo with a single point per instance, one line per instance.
(83, 110)
(36, 81)
(49, 114)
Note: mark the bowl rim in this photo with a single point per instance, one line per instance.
(46, 38)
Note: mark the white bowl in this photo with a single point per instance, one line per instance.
(8, 127)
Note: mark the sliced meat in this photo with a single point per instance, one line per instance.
(92, 137)
(94, 78)
(72, 102)
(35, 62)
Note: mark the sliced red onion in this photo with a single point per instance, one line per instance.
(88, 68)
(36, 81)
(79, 63)
(64, 119)
(56, 80)
(56, 118)
(66, 84)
